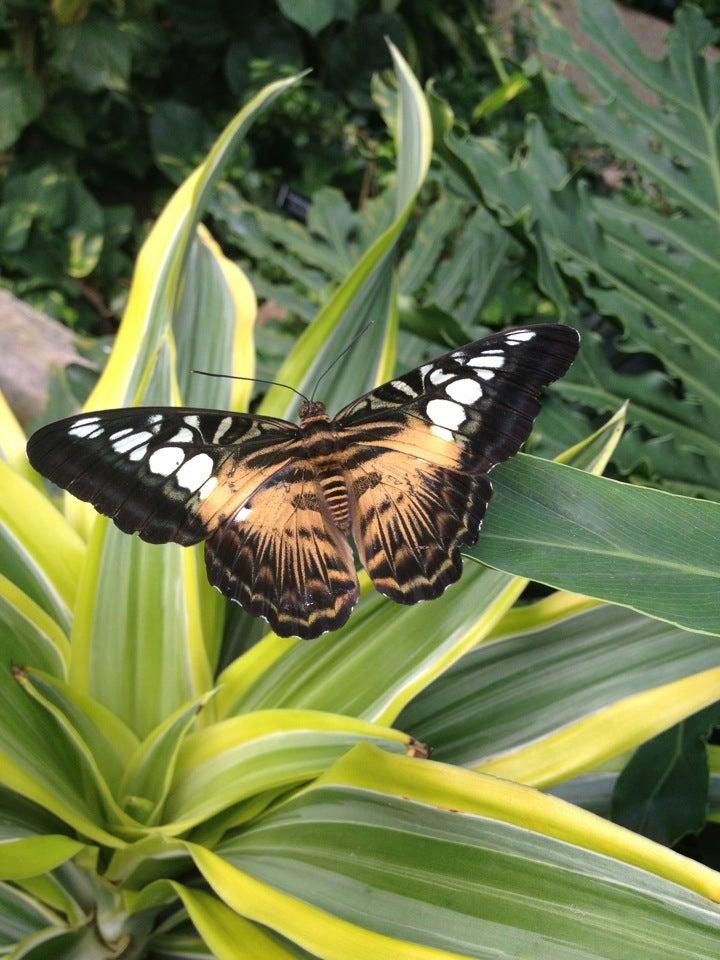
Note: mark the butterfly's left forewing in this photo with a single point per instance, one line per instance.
(419, 449)
(166, 473)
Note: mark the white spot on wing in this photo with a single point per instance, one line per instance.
(493, 363)
(86, 420)
(521, 335)
(222, 429)
(243, 513)
(139, 452)
(166, 460)
(437, 376)
(445, 413)
(193, 421)
(129, 443)
(207, 488)
(120, 433)
(86, 428)
(404, 388)
(464, 391)
(182, 436)
(195, 472)
(485, 374)
(441, 432)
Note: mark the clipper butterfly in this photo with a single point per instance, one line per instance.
(403, 470)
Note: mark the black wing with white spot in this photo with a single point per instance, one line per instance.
(166, 473)
(483, 397)
(420, 448)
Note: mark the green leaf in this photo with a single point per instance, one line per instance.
(95, 53)
(652, 270)
(95, 730)
(311, 15)
(350, 868)
(222, 929)
(21, 916)
(31, 856)
(150, 770)
(28, 636)
(28, 523)
(426, 640)
(366, 293)
(515, 84)
(663, 791)
(560, 686)
(237, 758)
(21, 100)
(144, 607)
(641, 548)
(44, 763)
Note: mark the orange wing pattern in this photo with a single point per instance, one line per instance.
(407, 463)
(281, 557)
(412, 513)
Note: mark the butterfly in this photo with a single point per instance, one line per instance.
(403, 469)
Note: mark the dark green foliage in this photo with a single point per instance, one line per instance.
(663, 791)
(104, 106)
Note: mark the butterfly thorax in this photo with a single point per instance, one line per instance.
(323, 449)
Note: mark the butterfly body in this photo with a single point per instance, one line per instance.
(402, 470)
(324, 449)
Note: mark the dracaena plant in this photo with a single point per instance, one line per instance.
(162, 796)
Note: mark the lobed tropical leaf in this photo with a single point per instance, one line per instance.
(662, 792)
(650, 266)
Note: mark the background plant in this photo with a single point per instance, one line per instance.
(257, 798)
(105, 106)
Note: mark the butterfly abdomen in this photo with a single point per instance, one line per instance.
(323, 450)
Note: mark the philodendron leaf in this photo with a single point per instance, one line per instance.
(652, 265)
(663, 791)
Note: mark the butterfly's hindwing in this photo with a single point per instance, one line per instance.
(410, 519)
(281, 557)
(168, 474)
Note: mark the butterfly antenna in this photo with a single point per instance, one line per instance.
(339, 357)
(230, 376)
